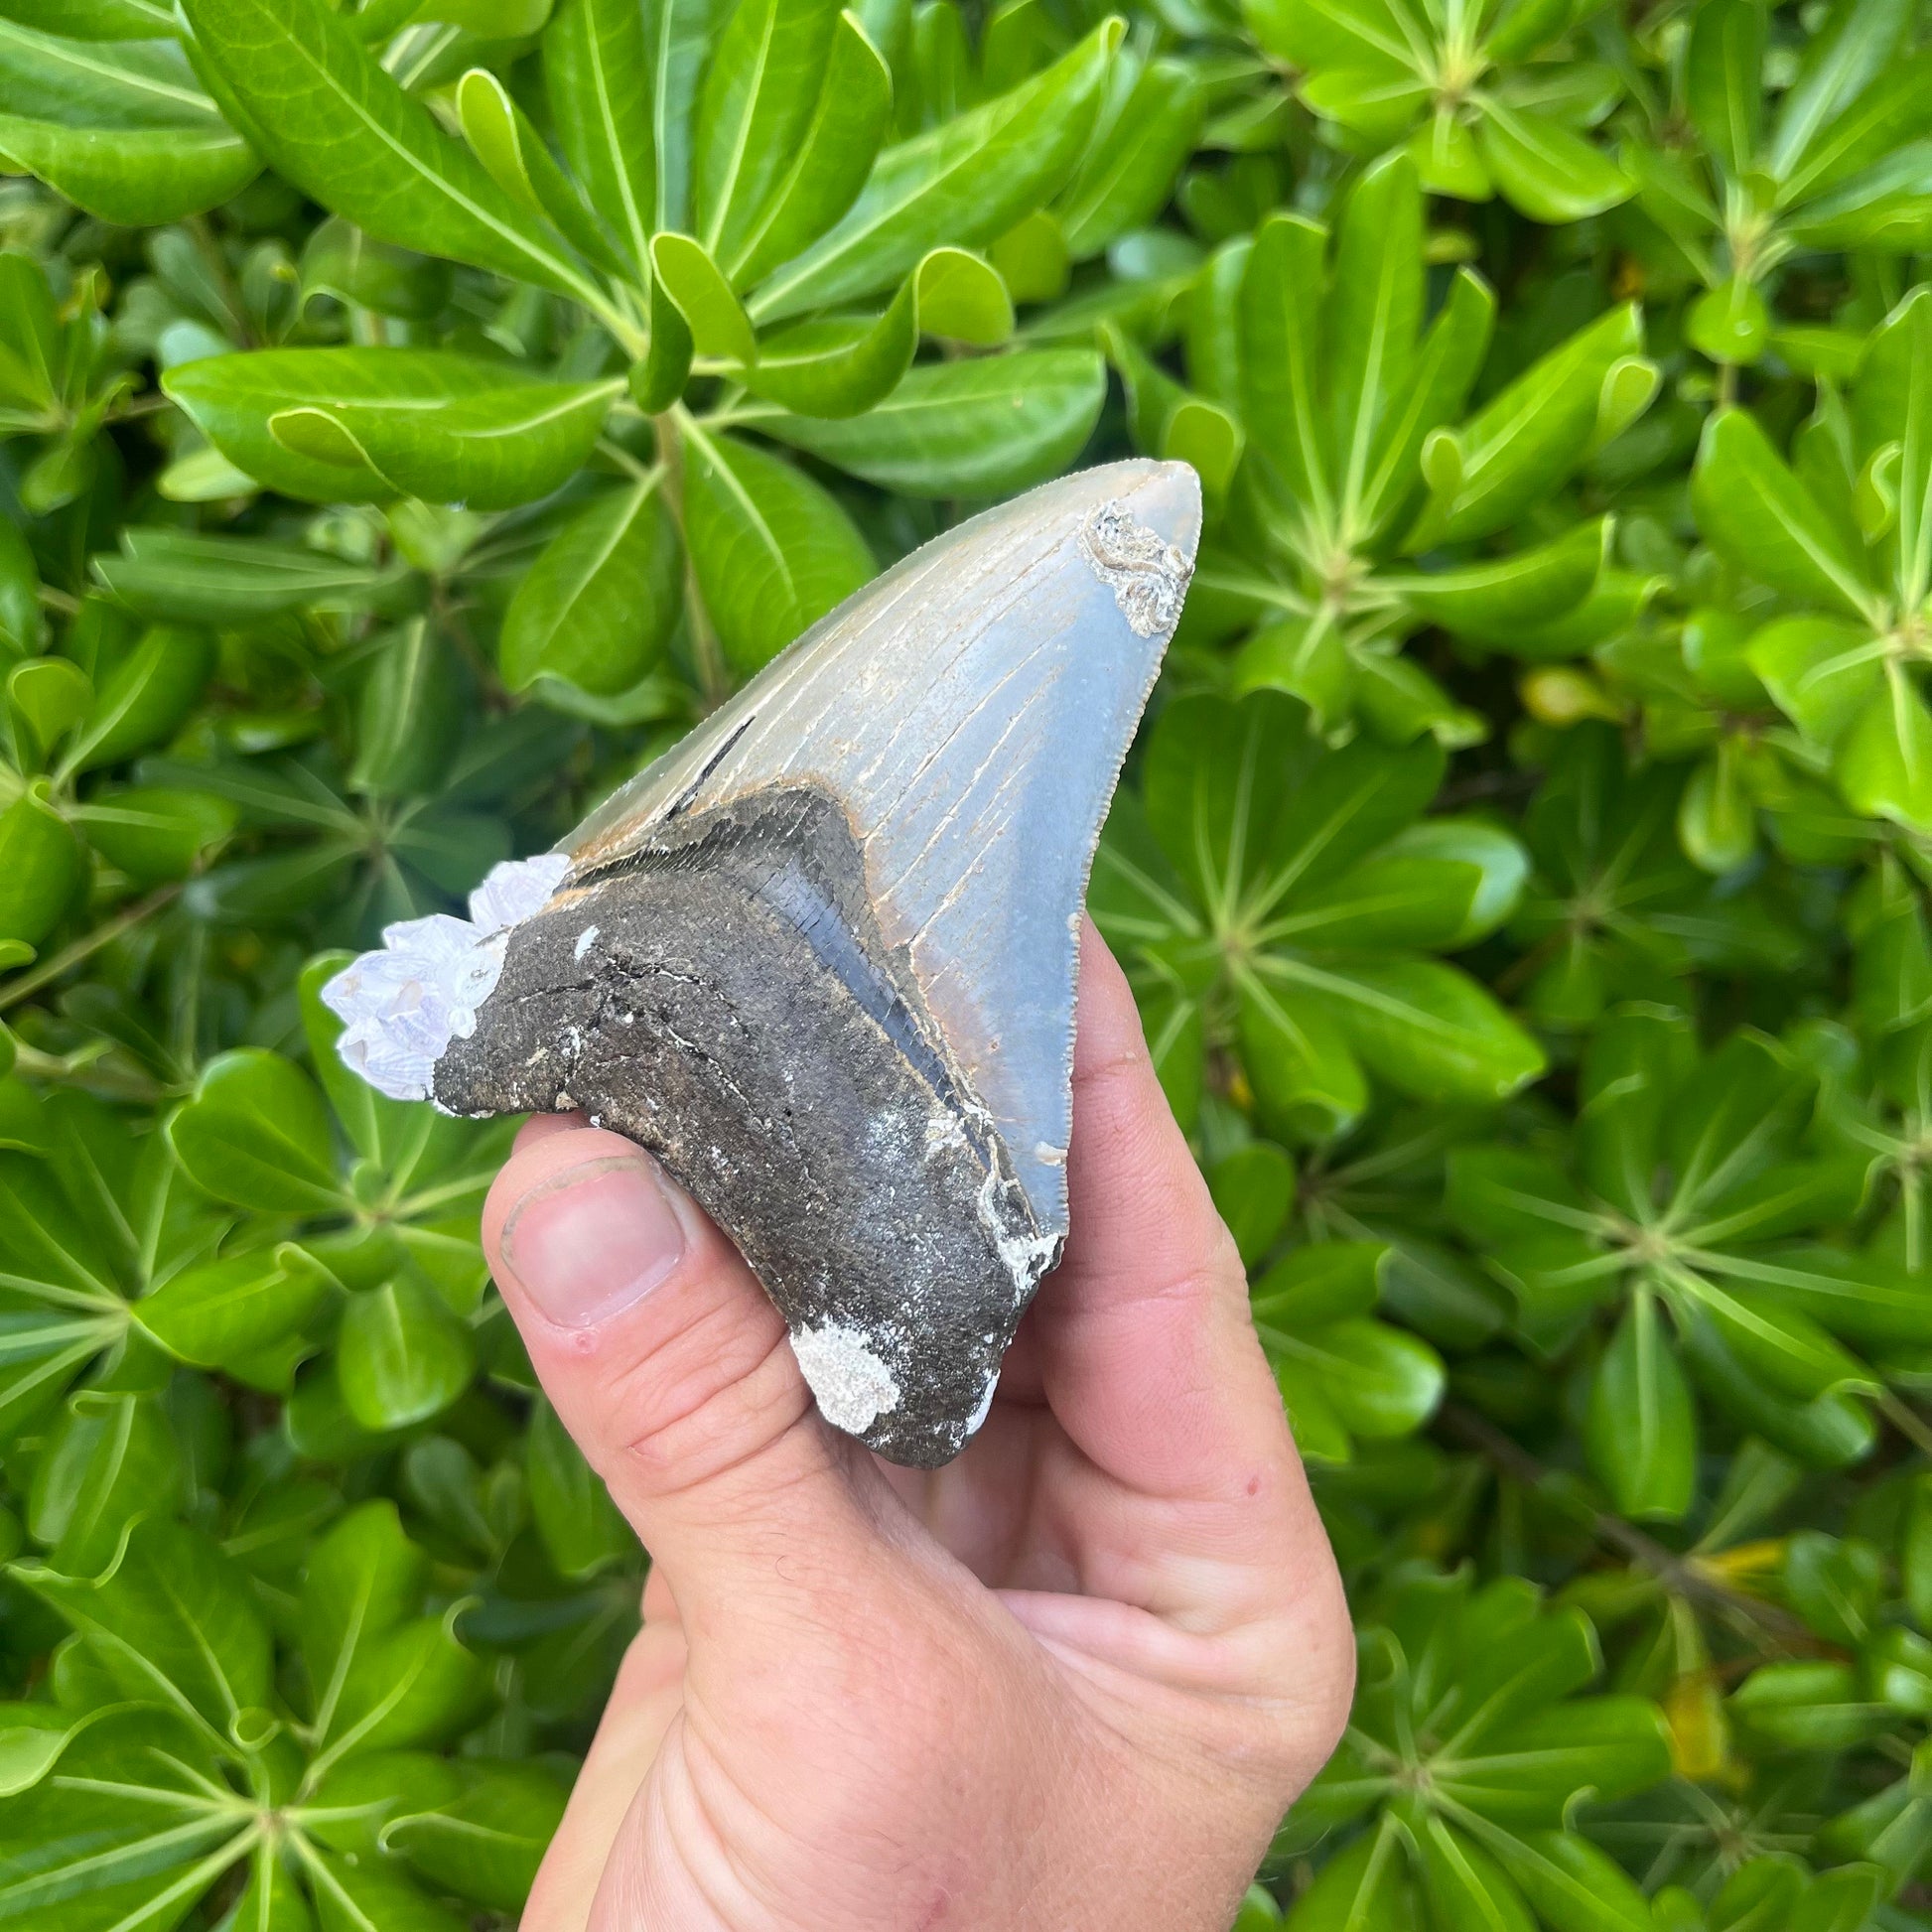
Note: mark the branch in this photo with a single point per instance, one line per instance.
(1676, 1575)
(16, 989)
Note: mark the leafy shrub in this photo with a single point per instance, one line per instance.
(413, 416)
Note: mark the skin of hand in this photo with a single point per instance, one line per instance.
(1072, 1679)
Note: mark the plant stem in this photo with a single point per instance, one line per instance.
(714, 681)
(103, 934)
(1682, 1578)
(1907, 1421)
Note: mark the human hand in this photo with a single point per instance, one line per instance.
(1074, 1677)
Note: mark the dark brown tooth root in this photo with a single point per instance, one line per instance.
(722, 994)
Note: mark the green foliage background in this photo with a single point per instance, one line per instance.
(413, 416)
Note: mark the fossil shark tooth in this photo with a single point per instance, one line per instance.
(820, 957)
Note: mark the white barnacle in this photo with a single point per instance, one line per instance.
(401, 1006)
(1147, 574)
(852, 1386)
(585, 940)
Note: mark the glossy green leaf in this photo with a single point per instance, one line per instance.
(964, 182)
(760, 88)
(976, 429)
(42, 867)
(401, 1354)
(122, 129)
(171, 1621)
(599, 604)
(831, 158)
(597, 78)
(331, 120)
(1759, 515)
(1641, 1431)
(771, 550)
(256, 1133)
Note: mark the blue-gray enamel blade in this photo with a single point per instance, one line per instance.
(968, 711)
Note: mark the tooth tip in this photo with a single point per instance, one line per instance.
(1165, 497)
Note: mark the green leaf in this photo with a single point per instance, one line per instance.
(1530, 1771)
(1821, 672)
(256, 1133)
(346, 424)
(1641, 1431)
(147, 696)
(121, 128)
(1306, 1074)
(356, 1896)
(962, 299)
(1426, 1028)
(771, 550)
(171, 1621)
(382, 1675)
(128, 1832)
(600, 601)
(1362, 1888)
(42, 867)
(20, 576)
(1885, 761)
(581, 1527)
(482, 447)
(109, 1458)
(342, 261)
(1254, 1190)
(1529, 436)
(961, 182)
(401, 1354)
(840, 369)
(597, 73)
(1308, 34)
(515, 156)
(96, 20)
(1465, 1885)
(486, 1844)
(1762, 518)
(334, 122)
(692, 280)
(1374, 314)
(1854, 47)
(832, 158)
(1573, 1885)
(1281, 369)
(46, 698)
(1892, 398)
(1527, 588)
(151, 833)
(1149, 125)
(1543, 168)
(1724, 84)
(224, 1312)
(978, 428)
(1730, 323)
(759, 91)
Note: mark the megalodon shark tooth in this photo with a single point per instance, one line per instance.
(819, 958)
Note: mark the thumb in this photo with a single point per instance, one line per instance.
(666, 1362)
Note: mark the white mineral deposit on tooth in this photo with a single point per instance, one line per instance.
(852, 1386)
(977, 1421)
(401, 1006)
(1147, 574)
